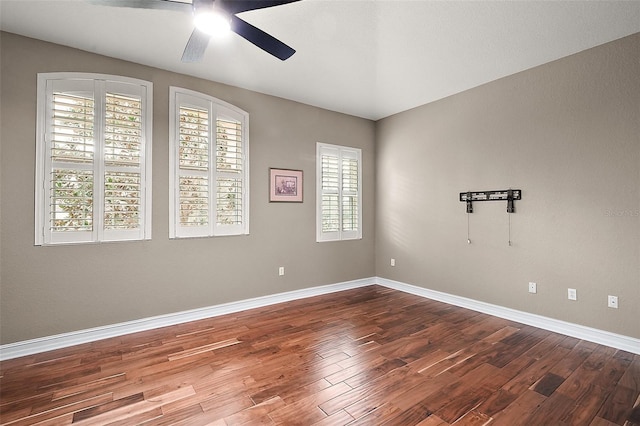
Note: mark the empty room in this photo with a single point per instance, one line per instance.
(319, 212)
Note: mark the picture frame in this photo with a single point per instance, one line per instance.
(285, 186)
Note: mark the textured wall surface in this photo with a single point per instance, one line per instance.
(51, 290)
(568, 135)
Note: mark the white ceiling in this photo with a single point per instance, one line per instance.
(368, 58)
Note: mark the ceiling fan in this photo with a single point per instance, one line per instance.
(211, 16)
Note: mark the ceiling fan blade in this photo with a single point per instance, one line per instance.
(178, 6)
(238, 6)
(197, 44)
(264, 41)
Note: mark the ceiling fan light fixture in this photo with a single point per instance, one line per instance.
(212, 22)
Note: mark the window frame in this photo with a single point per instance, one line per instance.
(341, 153)
(178, 97)
(99, 86)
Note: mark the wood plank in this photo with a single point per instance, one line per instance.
(497, 402)
(128, 411)
(406, 406)
(468, 383)
(517, 413)
(613, 370)
(226, 404)
(631, 377)
(256, 414)
(305, 411)
(414, 414)
(378, 415)
(174, 417)
(598, 421)
(60, 410)
(550, 410)
(360, 393)
(619, 405)
(583, 377)
(433, 420)
(370, 355)
(634, 416)
(150, 416)
(338, 418)
(471, 398)
(586, 407)
(474, 418)
(391, 386)
(103, 408)
(364, 377)
(547, 384)
(534, 372)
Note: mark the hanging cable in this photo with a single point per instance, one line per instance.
(509, 229)
(510, 209)
(469, 211)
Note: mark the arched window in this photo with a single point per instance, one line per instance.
(209, 166)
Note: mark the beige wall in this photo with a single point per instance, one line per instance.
(566, 133)
(51, 290)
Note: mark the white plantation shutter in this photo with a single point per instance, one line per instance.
(339, 193)
(330, 205)
(93, 158)
(193, 168)
(209, 166)
(230, 171)
(70, 166)
(123, 169)
(350, 193)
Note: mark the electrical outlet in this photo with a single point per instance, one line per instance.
(533, 287)
(281, 271)
(612, 302)
(393, 262)
(572, 294)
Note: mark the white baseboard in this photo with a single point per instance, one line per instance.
(601, 337)
(43, 344)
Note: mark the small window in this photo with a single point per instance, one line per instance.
(93, 164)
(209, 161)
(339, 193)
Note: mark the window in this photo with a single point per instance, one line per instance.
(339, 193)
(209, 166)
(93, 164)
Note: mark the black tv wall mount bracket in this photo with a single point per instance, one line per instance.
(508, 195)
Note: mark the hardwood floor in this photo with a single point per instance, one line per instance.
(368, 356)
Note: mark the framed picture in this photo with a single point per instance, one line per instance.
(285, 185)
